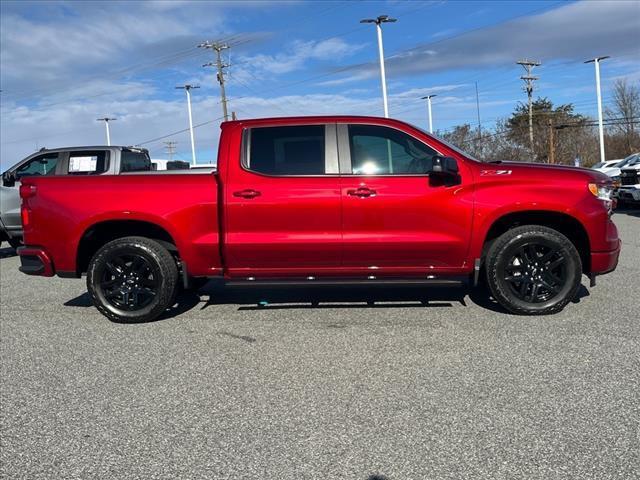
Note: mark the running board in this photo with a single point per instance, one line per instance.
(313, 282)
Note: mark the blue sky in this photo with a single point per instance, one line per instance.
(64, 64)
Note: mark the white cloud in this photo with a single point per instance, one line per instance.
(572, 32)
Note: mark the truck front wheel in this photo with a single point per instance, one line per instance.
(132, 279)
(533, 270)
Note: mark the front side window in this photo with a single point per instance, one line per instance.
(295, 150)
(40, 165)
(88, 162)
(377, 150)
(134, 161)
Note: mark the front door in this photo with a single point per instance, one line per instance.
(282, 203)
(395, 218)
(41, 165)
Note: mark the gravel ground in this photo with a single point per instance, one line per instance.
(418, 385)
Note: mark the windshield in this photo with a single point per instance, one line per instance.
(626, 161)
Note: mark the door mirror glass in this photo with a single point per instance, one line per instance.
(8, 179)
(444, 166)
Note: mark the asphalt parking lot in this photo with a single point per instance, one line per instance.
(395, 383)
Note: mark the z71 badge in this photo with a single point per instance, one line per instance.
(487, 173)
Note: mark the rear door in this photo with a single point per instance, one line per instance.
(396, 219)
(282, 203)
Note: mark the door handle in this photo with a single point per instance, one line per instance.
(362, 192)
(248, 193)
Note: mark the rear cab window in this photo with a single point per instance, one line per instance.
(299, 150)
(132, 160)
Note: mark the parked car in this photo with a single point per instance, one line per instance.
(324, 200)
(629, 191)
(74, 161)
(602, 166)
(614, 171)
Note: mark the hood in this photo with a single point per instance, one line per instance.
(542, 170)
(545, 169)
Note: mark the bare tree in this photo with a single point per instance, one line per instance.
(622, 117)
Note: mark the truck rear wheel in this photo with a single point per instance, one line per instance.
(533, 270)
(132, 279)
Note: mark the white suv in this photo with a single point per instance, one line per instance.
(629, 190)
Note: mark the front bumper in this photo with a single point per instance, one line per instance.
(605, 262)
(35, 261)
(631, 194)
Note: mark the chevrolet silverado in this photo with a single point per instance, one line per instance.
(338, 200)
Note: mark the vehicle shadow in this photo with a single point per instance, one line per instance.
(255, 298)
(7, 252)
(184, 302)
(308, 297)
(632, 212)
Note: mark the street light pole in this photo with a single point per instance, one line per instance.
(428, 99)
(378, 22)
(596, 61)
(187, 88)
(106, 121)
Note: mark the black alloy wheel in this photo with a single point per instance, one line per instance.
(536, 272)
(533, 270)
(132, 279)
(128, 281)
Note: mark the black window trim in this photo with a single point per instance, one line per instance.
(344, 148)
(331, 156)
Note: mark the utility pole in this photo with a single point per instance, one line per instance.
(106, 121)
(378, 22)
(529, 79)
(220, 66)
(596, 61)
(170, 146)
(428, 99)
(552, 143)
(478, 111)
(187, 88)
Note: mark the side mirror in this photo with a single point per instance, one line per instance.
(9, 179)
(445, 166)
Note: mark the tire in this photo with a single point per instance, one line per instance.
(15, 242)
(533, 270)
(132, 280)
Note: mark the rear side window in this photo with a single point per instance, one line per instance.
(295, 150)
(134, 161)
(88, 162)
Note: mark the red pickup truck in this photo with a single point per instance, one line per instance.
(324, 200)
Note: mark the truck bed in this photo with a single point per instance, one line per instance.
(66, 209)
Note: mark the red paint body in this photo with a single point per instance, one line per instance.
(311, 225)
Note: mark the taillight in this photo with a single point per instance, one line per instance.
(24, 214)
(27, 191)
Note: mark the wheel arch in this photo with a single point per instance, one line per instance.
(562, 222)
(102, 232)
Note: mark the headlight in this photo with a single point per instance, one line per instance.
(616, 181)
(602, 192)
